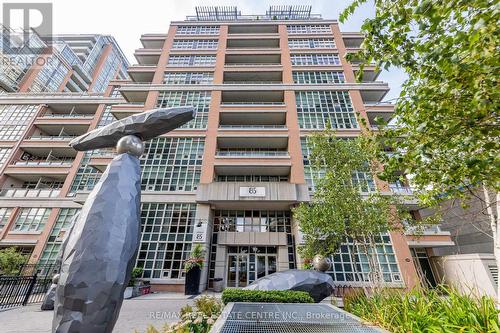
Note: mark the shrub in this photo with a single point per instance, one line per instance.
(136, 273)
(194, 320)
(265, 296)
(11, 261)
(421, 310)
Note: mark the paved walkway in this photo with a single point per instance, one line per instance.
(136, 314)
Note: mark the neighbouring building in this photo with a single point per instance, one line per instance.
(229, 178)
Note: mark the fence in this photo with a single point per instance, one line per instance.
(28, 287)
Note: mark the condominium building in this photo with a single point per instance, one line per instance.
(226, 180)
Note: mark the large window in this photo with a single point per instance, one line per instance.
(315, 43)
(4, 155)
(198, 30)
(195, 44)
(172, 164)
(191, 60)
(188, 78)
(342, 269)
(309, 29)
(250, 178)
(51, 76)
(31, 219)
(166, 237)
(317, 108)
(61, 228)
(252, 221)
(312, 175)
(4, 216)
(13, 120)
(318, 77)
(199, 99)
(315, 59)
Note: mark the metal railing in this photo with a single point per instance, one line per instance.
(29, 286)
(252, 126)
(253, 103)
(29, 193)
(256, 18)
(253, 64)
(43, 163)
(64, 115)
(246, 153)
(253, 82)
(52, 137)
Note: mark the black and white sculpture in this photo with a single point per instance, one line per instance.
(101, 250)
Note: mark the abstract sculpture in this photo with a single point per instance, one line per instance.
(102, 247)
(318, 285)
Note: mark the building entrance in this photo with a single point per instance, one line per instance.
(249, 264)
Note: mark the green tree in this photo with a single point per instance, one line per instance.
(448, 111)
(339, 210)
(10, 261)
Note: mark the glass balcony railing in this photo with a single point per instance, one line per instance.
(250, 64)
(398, 188)
(65, 115)
(52, 137)
(253, 82)
(253, 103)
(29, 193)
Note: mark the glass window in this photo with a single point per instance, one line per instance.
(198, 30)
(31, 219)
(187, 78)
(316, 108)
(61, 227)
(166, 237)
(199, 99)
(4, 216)
(195, 44)
(315, 59)
(172, 164)
(13, 120)
(309, 29)
(191, 60)
(318, 77)
(316, 43)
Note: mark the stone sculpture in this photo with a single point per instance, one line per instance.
(102, 247)
(321, 263)
(318, 285)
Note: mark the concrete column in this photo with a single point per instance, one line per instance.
(220, 263)
(282, 258)
(203, 228)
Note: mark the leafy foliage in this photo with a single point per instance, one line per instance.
(194, 320)
(448, 111)
(265, 296)
(11, 261)
(338, 209)
(136, 273)
(422, 310)
(196, 259)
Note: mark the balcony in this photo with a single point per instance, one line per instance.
(253, 60)
(252, 127)
(352, 39)
(147, 56)
(253, 43)
(252, 118)
(428, 236)
(252, 98)
(382, 110)
(35, 169)
(252, 29)
(153, 41)
(249, 153)
(49, 127)
(124, 110)
(41, 145)
(142, 74)
(253, 77)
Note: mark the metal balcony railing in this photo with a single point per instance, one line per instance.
(52, 137)
(29, 193)
(253, 103)
(43, 163)
(249, 153)
(251, 127)
(64, 115)
(253, 82)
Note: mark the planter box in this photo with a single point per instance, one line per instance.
(192, 286)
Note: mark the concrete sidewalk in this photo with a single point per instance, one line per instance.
(136, 314)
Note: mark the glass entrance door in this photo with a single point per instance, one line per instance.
(237, 273)
(266, 264)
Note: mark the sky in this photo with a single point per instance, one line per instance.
(126, 20)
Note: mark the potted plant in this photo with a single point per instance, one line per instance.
(129, 291)
(193, 267)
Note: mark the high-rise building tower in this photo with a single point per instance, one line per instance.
(229, 178)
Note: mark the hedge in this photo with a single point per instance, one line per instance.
(265, 296)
